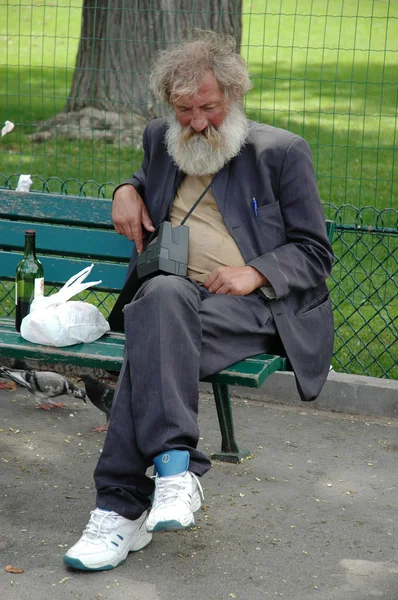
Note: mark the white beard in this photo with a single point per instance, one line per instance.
(205, 154)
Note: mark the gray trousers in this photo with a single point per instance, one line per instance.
(176, 333)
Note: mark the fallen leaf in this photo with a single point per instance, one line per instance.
(11, 569)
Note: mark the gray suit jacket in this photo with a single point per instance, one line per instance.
(286, 241)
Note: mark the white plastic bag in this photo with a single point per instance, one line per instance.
(8, 127)
(24, 183)
(54, 321)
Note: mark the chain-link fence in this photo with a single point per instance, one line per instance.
(75, 83)
(364, 290)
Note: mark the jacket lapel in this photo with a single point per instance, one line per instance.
(219, 188)
(174, 178)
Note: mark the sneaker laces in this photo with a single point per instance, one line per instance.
(169, 489)
(100, 524)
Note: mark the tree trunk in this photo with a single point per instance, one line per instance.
(119, 39)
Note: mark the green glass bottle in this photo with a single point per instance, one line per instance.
(29, 279)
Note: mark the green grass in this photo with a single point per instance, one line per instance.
(365, 340)
(39, 42)
(326, 70)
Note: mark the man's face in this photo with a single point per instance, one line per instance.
(205, 130)
(207, 107)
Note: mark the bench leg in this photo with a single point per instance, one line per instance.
(230, 451)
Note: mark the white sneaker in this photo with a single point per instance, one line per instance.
(176, 499)
(107, 540)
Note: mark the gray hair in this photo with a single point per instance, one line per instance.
(179, 70)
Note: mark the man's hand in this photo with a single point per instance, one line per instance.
(238, 281)
(129, 215)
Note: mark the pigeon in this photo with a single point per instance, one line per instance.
(101, 395)
(44, 385)
(11, 385)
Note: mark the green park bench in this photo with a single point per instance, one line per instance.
(72, 232)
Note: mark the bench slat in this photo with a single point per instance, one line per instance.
(68, 241)
(251, 372)
(57, 270)
(101, 354)
(35, 207)
(107, 353)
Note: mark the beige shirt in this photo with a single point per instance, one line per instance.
(210, 243)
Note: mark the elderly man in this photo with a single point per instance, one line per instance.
(258, 260)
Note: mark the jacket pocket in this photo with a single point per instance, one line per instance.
(269, 227)
(266, 210)
(313, 304)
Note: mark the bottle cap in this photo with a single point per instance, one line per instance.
(30, 232)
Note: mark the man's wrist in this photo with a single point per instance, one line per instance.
(261, 279)
(119, 187)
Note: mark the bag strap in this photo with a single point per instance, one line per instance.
(196, 203)
(202, 195)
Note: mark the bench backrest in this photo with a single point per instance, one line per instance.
(71, 233)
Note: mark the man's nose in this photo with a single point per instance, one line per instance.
(199, 121)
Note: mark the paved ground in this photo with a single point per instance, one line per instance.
(312, 516)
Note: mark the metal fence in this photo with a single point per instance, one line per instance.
(74, 81)
(364, 290)
(326, 70)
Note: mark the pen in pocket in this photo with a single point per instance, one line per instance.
(255, 207)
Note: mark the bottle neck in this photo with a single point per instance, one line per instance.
(30, 246)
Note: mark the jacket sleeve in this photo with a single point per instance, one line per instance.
(139, 178)
(305, 260)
